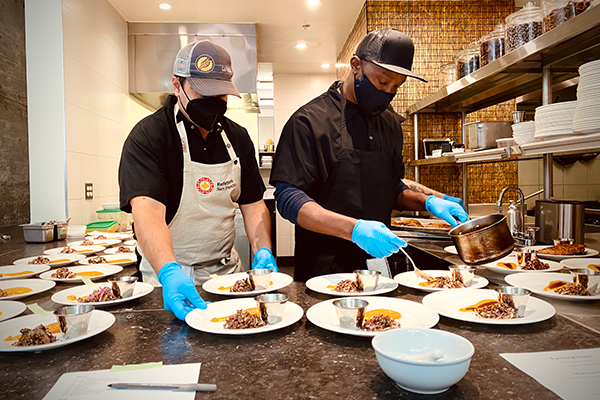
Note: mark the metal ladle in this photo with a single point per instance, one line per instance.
(418, 272)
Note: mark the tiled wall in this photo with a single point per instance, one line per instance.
(292, 91)
(99, 110)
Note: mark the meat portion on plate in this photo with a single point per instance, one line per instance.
(564, 250)
(36, 336)
(105, 293)
(63, 273)
(243, 319)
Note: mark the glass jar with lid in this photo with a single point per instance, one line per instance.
(467, 60)
(557, 12)
(491, 46)
(447, 74)
(523, 26)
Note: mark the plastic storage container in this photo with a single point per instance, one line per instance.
(557, 12)
(491, 46)
(38, 233)
(523, 26)
(121, 217)
(467, 60)
(447, 74)
(102, 226)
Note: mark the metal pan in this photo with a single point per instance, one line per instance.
(484, 239)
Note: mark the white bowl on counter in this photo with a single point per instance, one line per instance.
(406, 356)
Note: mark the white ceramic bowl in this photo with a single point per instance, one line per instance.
(398, 350)
(524, 138)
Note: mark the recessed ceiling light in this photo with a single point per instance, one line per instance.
(325, 65)
(165, 6)
(313, 2)
(301, 45)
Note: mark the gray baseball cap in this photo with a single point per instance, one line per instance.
(207, 67)
(390, 49)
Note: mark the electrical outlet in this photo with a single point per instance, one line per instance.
(89, 191)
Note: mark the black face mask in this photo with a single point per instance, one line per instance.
(371, 100)
(205, 112)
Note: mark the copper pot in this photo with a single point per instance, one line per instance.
(483, 239)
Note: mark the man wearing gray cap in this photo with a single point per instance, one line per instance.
(338, 167)
(183, 169)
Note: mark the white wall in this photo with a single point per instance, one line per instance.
(290, 92)
(99, 110)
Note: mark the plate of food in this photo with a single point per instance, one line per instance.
(9, 309)
(508, 265)
(95, 242)
(483, 307)
(85, 250)
(21, 271)
(97, 235)
(554, 285)
(18, 288)
(564, 251)
(44, 333)
(238, 285)
(74, 274)
(131, 242)
(120, 249)
(102, 294)
(54, 260)
(381, 314)
(424, 225)
(576, 263)
(442, 280)
(344, 284)
(239, 317)
(451, 249)
(118, 259)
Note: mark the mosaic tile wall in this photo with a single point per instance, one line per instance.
(439, 30)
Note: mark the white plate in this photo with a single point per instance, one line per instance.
(99, 322)
(114, 250)
(319, 284)
(131, 242)
(86, 250)
(414, 315)
(589, 253)
(411, 280)
(537, 282)
(56, 260)
(278, 279)
(108, 235)
(141, 289)
(449, 302)
(11, 309)
(23, 271)
(451, 249)
(36, 286)
(105, 269)
(575, 263)
(101, 242)
(114, 259)
(494, 267)
(200, 319)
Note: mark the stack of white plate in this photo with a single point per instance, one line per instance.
(587, 113)
(524, 132)
(554, 121)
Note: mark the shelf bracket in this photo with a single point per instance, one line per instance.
(547, 99)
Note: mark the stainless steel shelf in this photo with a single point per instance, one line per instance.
(519, 73)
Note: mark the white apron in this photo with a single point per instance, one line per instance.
(203, 228)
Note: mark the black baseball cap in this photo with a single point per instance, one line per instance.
(390, 49)
(207, 67)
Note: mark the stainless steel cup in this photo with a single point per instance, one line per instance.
(463, 273)
(563, 241)
(74, 320)
(516, 297)
(367, 279)
(272, 307)
(126, 284)
(524, 256)
(588, 278)
(260, 279)
(518, 116)
(350, 312)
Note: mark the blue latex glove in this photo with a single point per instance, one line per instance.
(264, 259)
(376, 239)
(179, 291)
(448, 210)
(455, 200)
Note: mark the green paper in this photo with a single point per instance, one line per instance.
(88, 281)
(37, 310)
(134, 367)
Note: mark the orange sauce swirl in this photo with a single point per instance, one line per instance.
(482, 303)
(254, 311)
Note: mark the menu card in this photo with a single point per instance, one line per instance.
(571, 374)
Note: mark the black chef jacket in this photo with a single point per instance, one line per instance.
(152, 159)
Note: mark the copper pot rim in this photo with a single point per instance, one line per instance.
(454, 232)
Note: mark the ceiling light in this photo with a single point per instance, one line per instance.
(165, 6)
(301, 45)
(325, 65)
(341, 65)
(313, 2)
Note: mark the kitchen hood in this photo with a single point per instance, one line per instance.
(153, 47)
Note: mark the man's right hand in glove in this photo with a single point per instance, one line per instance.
(376, 239)
(179, 291)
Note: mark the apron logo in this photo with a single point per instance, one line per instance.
(205, 185)
(226, 185)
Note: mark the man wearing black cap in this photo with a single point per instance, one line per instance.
(338, 168)
(183, 169)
